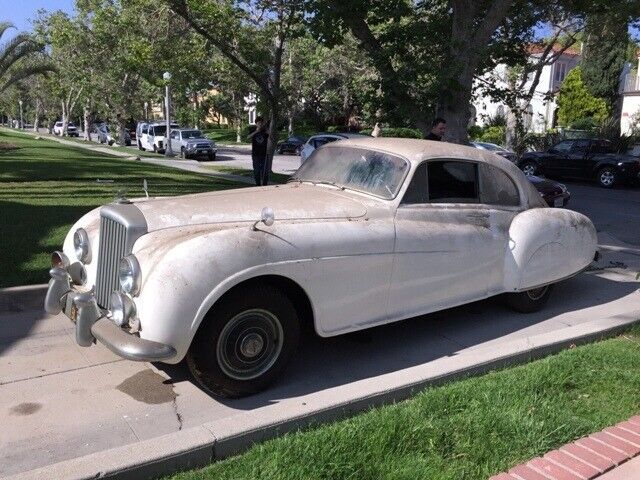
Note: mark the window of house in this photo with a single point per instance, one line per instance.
(560, 70)
(452, 181)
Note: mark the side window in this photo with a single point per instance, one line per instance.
(452, 182)
(417, 190)
(564, 147)
(151, 132)
(174, 135)
(318, 142)
(580, 147)
(145, 129)
(496, 188)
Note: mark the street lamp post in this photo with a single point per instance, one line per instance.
(21, 122)
(167, 150)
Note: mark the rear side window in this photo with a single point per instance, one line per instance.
(145, 128)
(580, 146)
(496, 188)
(452, 182)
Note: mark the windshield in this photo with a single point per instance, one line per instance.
(492, 147)
(377, 173)
(186, 134)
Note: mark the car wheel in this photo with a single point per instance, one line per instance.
(529, 168)
(607, 177)
(245, 342)
(212, 157)
(140, 146)
(529, 301)
(182, 154)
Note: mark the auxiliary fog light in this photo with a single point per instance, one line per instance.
(123, 310)
(60, 260)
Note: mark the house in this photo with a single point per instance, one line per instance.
(541, 112)
(630, 90)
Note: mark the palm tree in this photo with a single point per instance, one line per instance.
(20, 57)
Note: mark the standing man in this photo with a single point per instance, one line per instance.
(259, 139)
(438, 127)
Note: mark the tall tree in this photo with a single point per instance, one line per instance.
(252, 35)
(14, 56)
(576, 103)
(604, 58)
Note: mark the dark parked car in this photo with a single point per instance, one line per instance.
(589, 159)
(293, 144)
(552, 192)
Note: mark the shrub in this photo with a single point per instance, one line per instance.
(493, 135)
(588, 124)
(576, 103)
(475, 132)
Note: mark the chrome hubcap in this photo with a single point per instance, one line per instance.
(606, 177)
(529, 170)
(249, 344)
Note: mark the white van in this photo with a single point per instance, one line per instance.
(153, 136)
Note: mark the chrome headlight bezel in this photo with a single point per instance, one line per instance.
(82, 246)
(123, 309)
(129, 275)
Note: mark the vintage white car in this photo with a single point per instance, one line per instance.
(368, 231)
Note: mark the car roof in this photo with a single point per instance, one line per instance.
(186, 129)
(339, 134)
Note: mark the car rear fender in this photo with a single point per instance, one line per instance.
(547, 245)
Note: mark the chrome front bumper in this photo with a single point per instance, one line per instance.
(92, 324)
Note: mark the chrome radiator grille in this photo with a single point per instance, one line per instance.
(113, 241)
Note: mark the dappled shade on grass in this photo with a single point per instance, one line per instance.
(45, 187)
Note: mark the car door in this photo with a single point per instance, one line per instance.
(451, 236)
(553, 162)
(573, 163)
(175, 140)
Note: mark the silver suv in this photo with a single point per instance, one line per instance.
(192, 144)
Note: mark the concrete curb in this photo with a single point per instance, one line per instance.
(19, 299)
(201, 445)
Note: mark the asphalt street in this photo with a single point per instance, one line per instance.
(59, 401)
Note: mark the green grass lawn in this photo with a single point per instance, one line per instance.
(469, 429)
(45, 187)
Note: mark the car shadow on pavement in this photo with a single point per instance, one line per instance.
(324, 363)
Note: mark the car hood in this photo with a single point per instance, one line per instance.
(290, 202)
(199, 140)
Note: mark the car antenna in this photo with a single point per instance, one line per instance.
(145, 187)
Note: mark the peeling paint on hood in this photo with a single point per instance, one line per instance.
(293, 201)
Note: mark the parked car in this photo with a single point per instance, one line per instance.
(103, 133)
(153, 136)
(293, 144)
(367, 232)
(497, 149)
(191, 143)
(322, 139)
(72, 130)
(555, 194)
(589, 159)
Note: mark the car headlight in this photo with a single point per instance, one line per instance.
(129, 275)
(123, 310)
(81, 245)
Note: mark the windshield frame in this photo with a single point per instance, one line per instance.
(334, 145)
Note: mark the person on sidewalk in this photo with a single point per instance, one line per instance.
(438, 127)
(376, 130)
(259, 137)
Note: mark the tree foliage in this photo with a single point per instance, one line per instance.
(576, 103)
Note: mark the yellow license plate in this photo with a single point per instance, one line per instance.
(74, 312)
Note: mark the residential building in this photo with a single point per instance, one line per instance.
(630, 90)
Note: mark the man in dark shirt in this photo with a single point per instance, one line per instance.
(438, 127)
(259, 139)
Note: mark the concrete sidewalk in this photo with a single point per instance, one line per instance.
(72, 412)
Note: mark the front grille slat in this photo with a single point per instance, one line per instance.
(113, 237)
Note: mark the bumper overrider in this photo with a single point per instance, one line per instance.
(92, 323)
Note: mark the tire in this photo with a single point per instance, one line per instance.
(607, 177)
(529, 301)
(212, 157)
(182, 154)
(259, 319)
(140, 146)
(529, 168)
(155, 149)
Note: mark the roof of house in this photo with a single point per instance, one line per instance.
(536, 48)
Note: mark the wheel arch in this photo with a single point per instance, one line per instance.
(291, 289)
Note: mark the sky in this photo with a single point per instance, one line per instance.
(19, 12)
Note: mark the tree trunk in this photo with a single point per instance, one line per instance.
(65, 118)
(290, 128)
(87, 127)
(36, 120)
